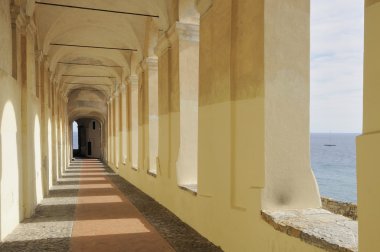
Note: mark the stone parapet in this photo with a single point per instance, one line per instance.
(317, 227)
(343, 208)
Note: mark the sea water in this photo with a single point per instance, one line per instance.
(335, 166)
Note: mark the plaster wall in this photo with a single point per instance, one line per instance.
(26, 165)
(243, 152)
(231, 106)
(30, 112)
(10, 131)
(289, 180)
(368, 144)
(11, 190)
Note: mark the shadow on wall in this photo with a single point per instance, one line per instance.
(9, 172)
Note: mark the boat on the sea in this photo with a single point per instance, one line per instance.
(330, 144)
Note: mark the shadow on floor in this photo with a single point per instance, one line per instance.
(50, 229)
(181, 236)
(38, 245)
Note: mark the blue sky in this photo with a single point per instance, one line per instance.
(337, 28)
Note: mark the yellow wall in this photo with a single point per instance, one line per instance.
(231, 129)
(25, 166)
(10, 154)
(368, 144)
(247, 93)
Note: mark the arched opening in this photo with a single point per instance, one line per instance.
(89, 138)
(75, 139)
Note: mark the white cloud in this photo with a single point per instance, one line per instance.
(337, 28)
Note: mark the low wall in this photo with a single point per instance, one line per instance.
(343, 208)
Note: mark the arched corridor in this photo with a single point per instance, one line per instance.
(193, 128)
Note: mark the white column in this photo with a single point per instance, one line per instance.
(187, 37)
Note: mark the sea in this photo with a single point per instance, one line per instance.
(334, 166)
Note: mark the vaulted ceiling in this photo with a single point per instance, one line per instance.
(68, 37)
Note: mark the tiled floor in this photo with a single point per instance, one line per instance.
(92, 209)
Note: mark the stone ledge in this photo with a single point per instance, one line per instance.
(193, 188)
(318, 227)
(150, 173)
(338, 207)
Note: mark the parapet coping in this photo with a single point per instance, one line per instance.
(151, 173)
(192, 188)
(347, 209)
(317, 227)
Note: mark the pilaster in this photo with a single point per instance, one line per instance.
(368, 144)
(185, 36)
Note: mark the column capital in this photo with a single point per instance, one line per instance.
(151, 63)
(133, 80)
(183, 31)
